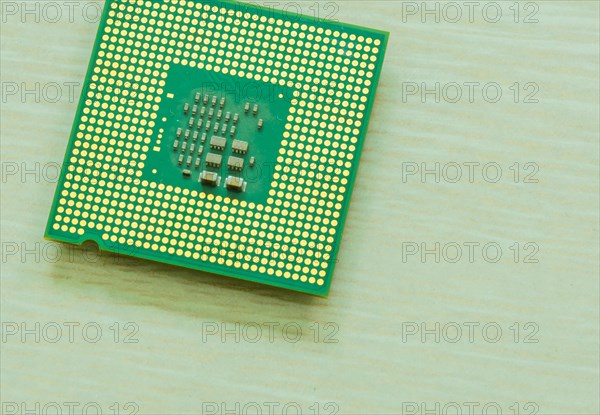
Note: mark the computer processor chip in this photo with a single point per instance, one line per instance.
(281, 102)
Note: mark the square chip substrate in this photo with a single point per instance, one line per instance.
(219, 136)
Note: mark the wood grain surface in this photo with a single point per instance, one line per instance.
(431, 266)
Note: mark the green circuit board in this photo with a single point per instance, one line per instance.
(219, 136)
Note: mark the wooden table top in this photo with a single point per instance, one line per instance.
(468, 275)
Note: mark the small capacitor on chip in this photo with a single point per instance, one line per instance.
(235, 183)
(205, 99)
(214, 100)
(222, 104)
(175, 145)
(186, 108)
(232, 132)
(247, 107)
(236, 118)
(179, 131)
(197, 97)
(255, 109)
(261, 123)
(180, 159)
(209, 178)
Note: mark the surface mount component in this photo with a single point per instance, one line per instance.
(239, 146)
(235, 163)
(213, 160)
(217, 142)
(236, 184)
(210, 178)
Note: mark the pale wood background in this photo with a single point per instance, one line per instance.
(370, 370)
